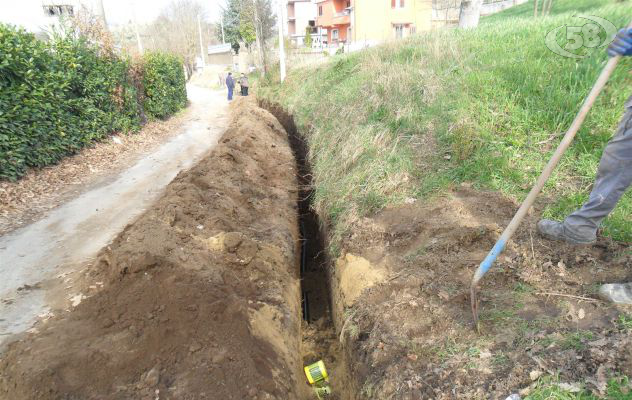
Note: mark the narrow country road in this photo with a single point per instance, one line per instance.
(35, 259)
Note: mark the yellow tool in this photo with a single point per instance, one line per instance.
(319, 379)
(316, 372)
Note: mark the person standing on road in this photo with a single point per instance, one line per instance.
(243, 82)
(230, 84)
(614, 177)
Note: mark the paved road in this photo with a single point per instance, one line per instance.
(72, 234)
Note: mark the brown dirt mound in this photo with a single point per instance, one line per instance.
(409, 334)
(201, 297)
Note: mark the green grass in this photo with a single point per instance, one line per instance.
(550, 389)
(487, 106)
(624, 322)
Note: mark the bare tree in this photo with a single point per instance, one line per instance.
(176, 31)
(470, 13)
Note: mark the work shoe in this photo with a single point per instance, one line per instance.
(554, 230)
(619, 293)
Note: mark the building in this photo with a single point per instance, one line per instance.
(220, 54)
(372, 21)
(301, 16)
(335, 17)
(40, 16)
(377, 21)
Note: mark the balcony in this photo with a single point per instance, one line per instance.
(342, 18)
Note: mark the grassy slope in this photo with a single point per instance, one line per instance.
(486, 106)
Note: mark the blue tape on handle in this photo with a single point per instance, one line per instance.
(489, 260)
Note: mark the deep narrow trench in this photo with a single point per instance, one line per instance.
(319, 340)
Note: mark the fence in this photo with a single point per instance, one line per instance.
(446, 12)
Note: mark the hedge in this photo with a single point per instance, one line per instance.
(59, 96)
(164, 84)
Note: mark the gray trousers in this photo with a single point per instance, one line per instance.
(613, 178)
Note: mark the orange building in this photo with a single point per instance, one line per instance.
(335, 16)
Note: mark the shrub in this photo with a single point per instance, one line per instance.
(60, 96)
(164, 84)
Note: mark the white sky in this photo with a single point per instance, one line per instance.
(29, 13)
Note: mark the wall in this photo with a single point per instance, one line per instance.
(446, 12)
(374, 20)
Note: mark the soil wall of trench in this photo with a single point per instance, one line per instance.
(199, 298)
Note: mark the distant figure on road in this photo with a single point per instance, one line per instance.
(243, 82)
(614, 177)
(221, 79)
(230, 84)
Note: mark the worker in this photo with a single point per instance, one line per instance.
(243, 82)
(230, 84)
(614, 176)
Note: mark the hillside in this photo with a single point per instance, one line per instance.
(412, 118)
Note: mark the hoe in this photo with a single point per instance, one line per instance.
(546, 173)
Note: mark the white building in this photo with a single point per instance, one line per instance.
(301, 15)
(39, 16)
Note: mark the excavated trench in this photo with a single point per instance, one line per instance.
(202, 288)
(319, 338)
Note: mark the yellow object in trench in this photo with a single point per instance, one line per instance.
(319, 379)
(316, 372)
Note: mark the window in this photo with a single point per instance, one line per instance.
(334, 34)
(320, 11)
(399, 31)
(397, 4)
(413, 29)
(58, 10)
(348, 4)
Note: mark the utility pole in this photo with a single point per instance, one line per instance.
(138, 41)
(222, 22)
(101, 11)
(281, 42)
(258, 37)
(201, 43)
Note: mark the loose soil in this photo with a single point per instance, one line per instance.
(201, 296)
(401, 306)
(409, 334)
(197, 299)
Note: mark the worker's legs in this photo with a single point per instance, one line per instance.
(230, 93)
(246, 91)
(613, 178)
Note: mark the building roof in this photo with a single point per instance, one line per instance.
(220, 48)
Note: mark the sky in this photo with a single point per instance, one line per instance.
(29, 13)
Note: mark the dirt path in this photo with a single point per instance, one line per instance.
(37, 260)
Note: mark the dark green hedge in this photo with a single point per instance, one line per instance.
(164, 84)
(59, 96)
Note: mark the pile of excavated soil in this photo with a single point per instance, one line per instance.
(401, 296)
(200, 296)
